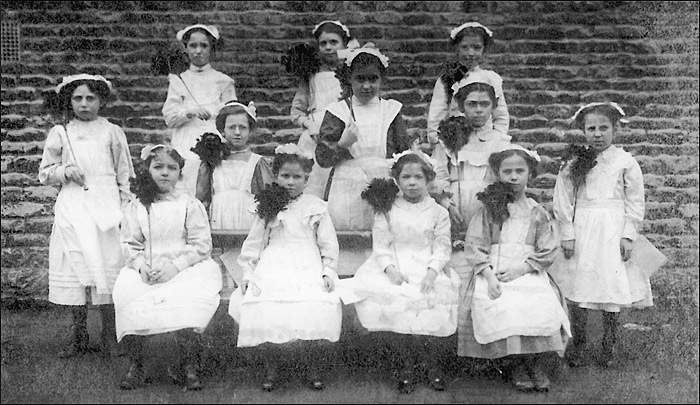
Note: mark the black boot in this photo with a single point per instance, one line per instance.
(185, 372)
(108, 336)
(80, 337)
(610, 324)
(136, 376)
(576, 352)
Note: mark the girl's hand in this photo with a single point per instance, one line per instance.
(166, 273)
(494, 287)
(244, 286)
(625, 249)
(428, 283)
(568, 247)
(145, 273)
(512, 273)
(395, 277)
(455, 216)
(74, 174)
(349, 136)
(199, 112)
(328, 284)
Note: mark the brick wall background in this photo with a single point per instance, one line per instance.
(553, 56)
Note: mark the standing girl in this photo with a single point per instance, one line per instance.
(465, 146)
(169, 283)
(510, 306)
(318, 85)
(600, 206)
(405, 285)
(195, 96)
(289, 260)
(470, 41)
(89, 159)
(229, 178)
(358, 136)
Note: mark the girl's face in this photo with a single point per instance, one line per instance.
(478, 107)
(366, 82)
(85, 103)
(165, 171)
(514, 170)
(199, 49)
(599, 131)
(292, 177)
(328, 45)
(470, 50)
(413, 183)
(237, 131)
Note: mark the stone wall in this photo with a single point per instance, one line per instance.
(553, 57)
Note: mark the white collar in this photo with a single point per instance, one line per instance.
(200, 69)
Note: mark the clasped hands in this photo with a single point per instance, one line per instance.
(495, 278)
(625, 248)
(154, 276)
(397, 278)
(199, 112)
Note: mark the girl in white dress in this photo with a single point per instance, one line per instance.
(170, 282)
(88, 158)
(228, 182)
(358, 136)
(194, 97)
(470, 41)
(404, 286)
(600, 207)
(318, 87)
(510, 306)
(289, 260)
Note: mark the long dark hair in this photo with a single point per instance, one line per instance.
(60, 103)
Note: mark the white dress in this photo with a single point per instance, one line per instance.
(469, 172)
(609, 206)
(231, 194)
(439, 108)
(84, 247)
(350, 178)
(195, 87)
(415, 238)
(530, 314)
(286, 300)
(178, 232)
(309, 105)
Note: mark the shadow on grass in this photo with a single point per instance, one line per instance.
(659, 364)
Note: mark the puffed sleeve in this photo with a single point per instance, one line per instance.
(228, 93)
(398, 139)
(52, 167)
(563, 204)
(203, 189)
(174, 108)
(124, 167)
(133, 240)
(546, 241)
(442, 243)
(198, 236)
(250, 249)
(633, 182)
(437, 111)
(499, 114)
(300, 104)
(262, 176)
(327, 242)
(477, 243)
(382, 240)
(328, 153)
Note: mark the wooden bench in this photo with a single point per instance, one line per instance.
(355, 248)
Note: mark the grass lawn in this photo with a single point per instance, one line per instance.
(657, 363)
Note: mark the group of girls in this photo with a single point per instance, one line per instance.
(457, 246)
